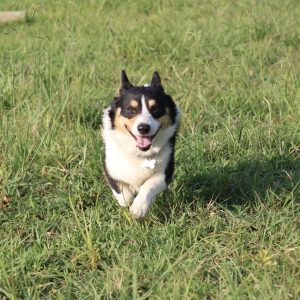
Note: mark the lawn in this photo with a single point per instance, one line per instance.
(229, 225)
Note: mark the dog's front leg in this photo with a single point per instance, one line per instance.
(147, 194)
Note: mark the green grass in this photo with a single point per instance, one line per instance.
(229, 225)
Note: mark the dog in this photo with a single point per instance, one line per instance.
(139, 132)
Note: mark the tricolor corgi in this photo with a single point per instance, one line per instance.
(139, 132)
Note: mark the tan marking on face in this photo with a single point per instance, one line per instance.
(151, 103)
(121, 121)
(165, 120)
(134, 103)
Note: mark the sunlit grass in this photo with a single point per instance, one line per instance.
(228, 227)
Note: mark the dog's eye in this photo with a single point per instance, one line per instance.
(130, 110)
(155, 109)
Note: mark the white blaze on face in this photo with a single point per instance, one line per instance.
(146, 118)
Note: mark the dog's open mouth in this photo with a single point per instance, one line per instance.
(143, 142)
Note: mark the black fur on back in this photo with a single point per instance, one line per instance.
(170, 166)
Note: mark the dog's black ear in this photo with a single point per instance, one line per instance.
(125, 83)
(156, 81)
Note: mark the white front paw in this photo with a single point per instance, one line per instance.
(138, 210)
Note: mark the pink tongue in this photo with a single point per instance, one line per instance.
(143, 141)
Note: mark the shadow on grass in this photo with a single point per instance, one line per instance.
(237, 185)
(229, 186)
(244, 182)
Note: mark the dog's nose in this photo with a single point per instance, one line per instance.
(143, 128)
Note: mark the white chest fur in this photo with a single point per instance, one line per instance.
(149, 163)
(125, 165)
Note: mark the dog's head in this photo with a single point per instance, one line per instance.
(142, 112)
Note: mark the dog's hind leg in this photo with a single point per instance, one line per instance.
(125, 195)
